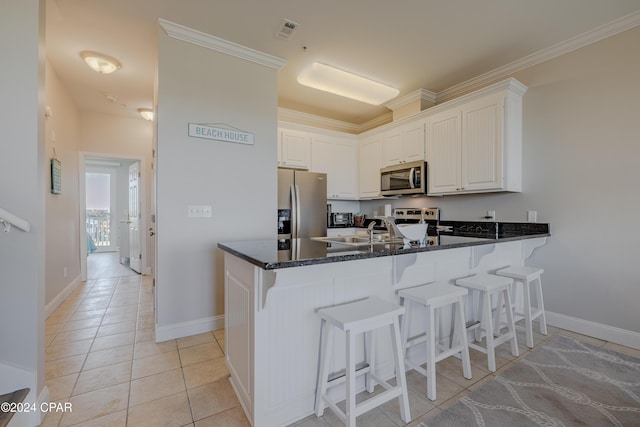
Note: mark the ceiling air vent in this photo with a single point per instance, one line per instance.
(286, 28)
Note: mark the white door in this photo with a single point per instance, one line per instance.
(135, 251)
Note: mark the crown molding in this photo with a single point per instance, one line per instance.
(374, 123)
(306, 119)
(600, 33)
(298, 117)
(208, 41)
(420, 94)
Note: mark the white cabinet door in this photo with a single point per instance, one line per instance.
(444, 142)
(482, 145)
(413, 136)
(392, 147)
(295, 149)
(403, 144)
(344, 178)
(369, 165)
(338, 160)
(476, 146)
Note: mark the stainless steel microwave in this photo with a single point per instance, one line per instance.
(406, 178)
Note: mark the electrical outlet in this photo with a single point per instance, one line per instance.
(532, 216)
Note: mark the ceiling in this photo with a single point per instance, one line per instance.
(407, 44)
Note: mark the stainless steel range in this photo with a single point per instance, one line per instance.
(417, 215)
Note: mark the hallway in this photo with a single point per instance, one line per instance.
(102, 265)
(101, 356)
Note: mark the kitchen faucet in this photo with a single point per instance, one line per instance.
(389, 223)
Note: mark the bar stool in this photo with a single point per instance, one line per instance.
(529, 277)
(361, 317)
(488, 285)
(431, 297)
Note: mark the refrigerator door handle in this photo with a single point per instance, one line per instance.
(297, 211)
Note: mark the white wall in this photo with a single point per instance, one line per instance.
(22, 188)
(581, 173)
(62, 239)
(198, 85)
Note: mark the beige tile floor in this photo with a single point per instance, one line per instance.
(101, 357)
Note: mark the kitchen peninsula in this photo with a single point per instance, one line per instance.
(274, 287)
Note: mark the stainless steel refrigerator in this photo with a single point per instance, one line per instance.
(302, 204)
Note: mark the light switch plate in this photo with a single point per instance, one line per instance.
(199, 211)
(532, 216)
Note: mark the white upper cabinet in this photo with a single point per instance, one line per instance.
(476, 145)
(444, 145)
(414, 141)
(472, 144)
(369, 165)
(337, 158)
(294, 149)
(404, 144)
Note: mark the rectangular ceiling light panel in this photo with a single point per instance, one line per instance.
(330, 79)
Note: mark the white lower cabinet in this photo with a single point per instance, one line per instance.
(476, 145)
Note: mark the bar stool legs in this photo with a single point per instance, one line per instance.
(489, 285)
(432, 297)
(528, 277)
(356, 318)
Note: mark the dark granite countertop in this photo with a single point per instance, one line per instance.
(275, 254)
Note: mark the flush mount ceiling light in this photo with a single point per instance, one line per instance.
(330, 79)
(146, 113)
(100, 63)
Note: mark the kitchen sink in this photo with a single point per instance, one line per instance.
(359, 240)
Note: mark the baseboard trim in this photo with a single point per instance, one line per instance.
(59, 299)
(185, 329)
(593, 329)
(43, 402)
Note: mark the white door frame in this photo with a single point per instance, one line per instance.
(82, 170)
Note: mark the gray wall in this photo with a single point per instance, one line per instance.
(63, 218)
(198, 85)
(581, 173)
(22, 185)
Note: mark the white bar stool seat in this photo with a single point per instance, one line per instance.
(529, 277)
(361, 317)
(488, 285)
(431, 297)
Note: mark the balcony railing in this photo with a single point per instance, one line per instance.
(99, 227)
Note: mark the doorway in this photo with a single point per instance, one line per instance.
(112, 213)
(101, 196)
